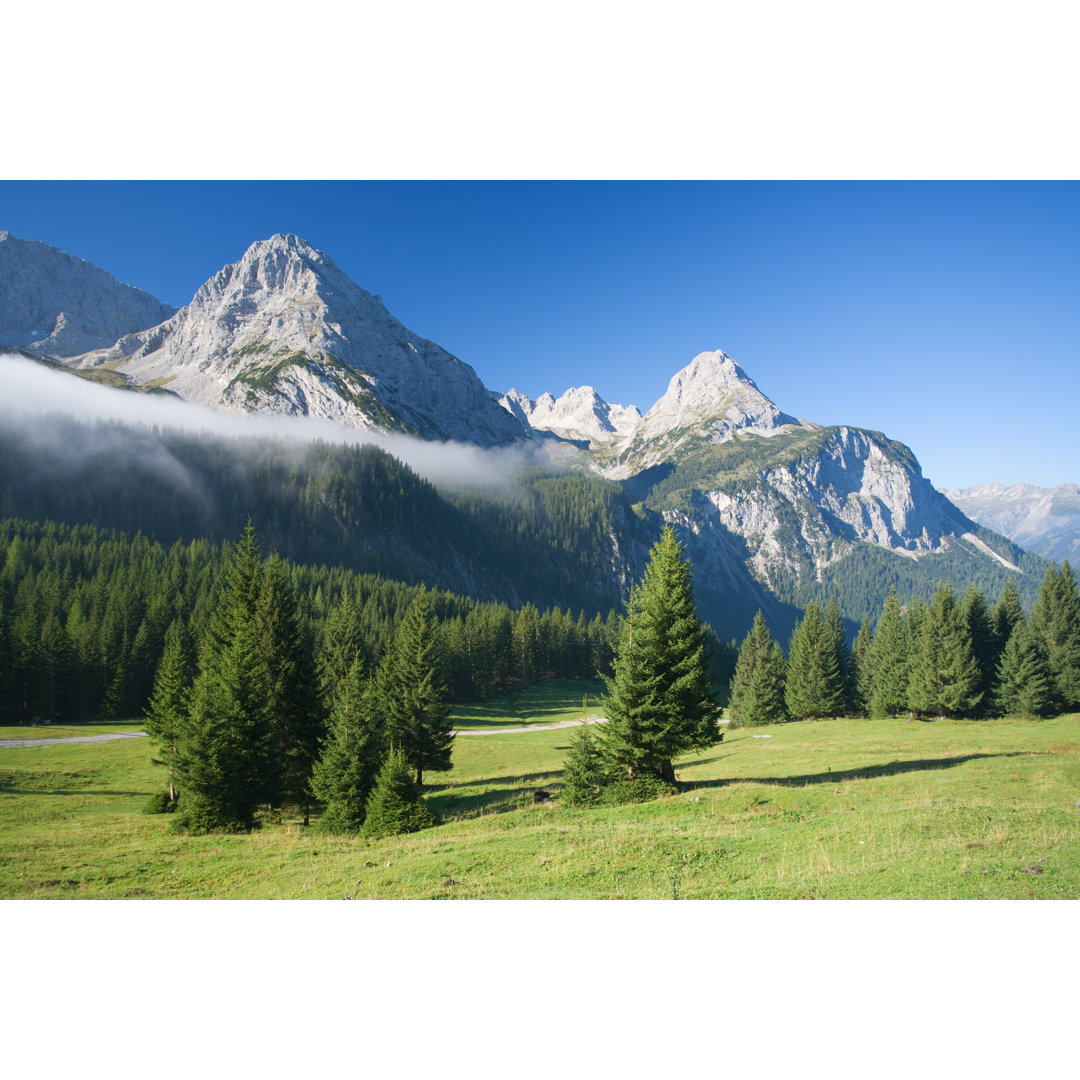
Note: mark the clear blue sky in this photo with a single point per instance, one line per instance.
(945, 314)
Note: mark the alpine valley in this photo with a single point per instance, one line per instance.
(774, 510)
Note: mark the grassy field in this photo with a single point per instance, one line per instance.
(830, 809)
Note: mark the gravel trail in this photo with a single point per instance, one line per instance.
(77, 738)
(535, 727)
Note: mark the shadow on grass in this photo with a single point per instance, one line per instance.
(497, 800)
(870, 772)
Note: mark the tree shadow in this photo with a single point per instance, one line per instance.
(869, 772)
(523, 778)
(499, 800)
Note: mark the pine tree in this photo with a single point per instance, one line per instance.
(659, 701)
(167, 711)
(757, 687)
(860, 669)
(394, 806)
(888, 662)
(583, 775)
(1056, 619)
(837, 636)
(1008, 612)
(292, 698)
(979, 627)
(225, 760)
(353, 751)
(944, 677)
(1025, 686)
(814, 686)
(413, 691)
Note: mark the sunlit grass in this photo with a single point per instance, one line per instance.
(828, 809)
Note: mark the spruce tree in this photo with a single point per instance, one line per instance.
(413, 691)
(944, 677)
(292, 697)
(1008, 611)
(1025, 686)
(1056, 619)
(352, 754)
(837, 636)
(757, 687)
(225, 760)
(394, 806)
(979, 627)
(167, 711)
(659, 701)
(583, 774)
(814, 686)
(860, 683)
(888, 664)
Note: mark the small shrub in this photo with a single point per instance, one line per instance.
(159, 803)
(640, 789)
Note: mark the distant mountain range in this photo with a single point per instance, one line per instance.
(1043, 520)
(775, 510)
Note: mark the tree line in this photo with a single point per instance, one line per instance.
(85, 613)
(951, 657)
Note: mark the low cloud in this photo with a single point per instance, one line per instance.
(35, 390)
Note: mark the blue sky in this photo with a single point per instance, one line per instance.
(944, 314)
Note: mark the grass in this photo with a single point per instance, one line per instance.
(830, 809)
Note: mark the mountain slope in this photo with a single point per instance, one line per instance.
(284, 330)
(1043, 520)
(54, 305)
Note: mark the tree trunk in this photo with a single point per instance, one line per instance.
(667, 771)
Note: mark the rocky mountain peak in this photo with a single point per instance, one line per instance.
(285, 330)
(580, 415)
(54, 305)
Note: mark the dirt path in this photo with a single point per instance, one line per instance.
(535, 727)
(77, 738)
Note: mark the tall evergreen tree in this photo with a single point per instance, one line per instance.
(1025, 686)
(757, 687)
(353, 752)
(1056, 618)
(944, 677)
(861, 671)
(167, 712)
(659, 700)
(888, 662)
(414, 691)
(978, 624)
(225, 761)
(292, 697)
(837, 635)
(814, 686)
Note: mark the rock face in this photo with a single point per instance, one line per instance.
(1043, 520)
(54, 305)
(806, 513)
(284, 330)
(711, 400)
(580, 415)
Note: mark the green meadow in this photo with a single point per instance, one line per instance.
(829, 809)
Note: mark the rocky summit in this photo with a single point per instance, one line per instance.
(53, 305)
(580, 415)
(286, 331)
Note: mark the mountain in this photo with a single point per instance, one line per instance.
(284, 330)
(53, 305)
(1044, 520)
(775, 510)
(580, 415)
(711, 400)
